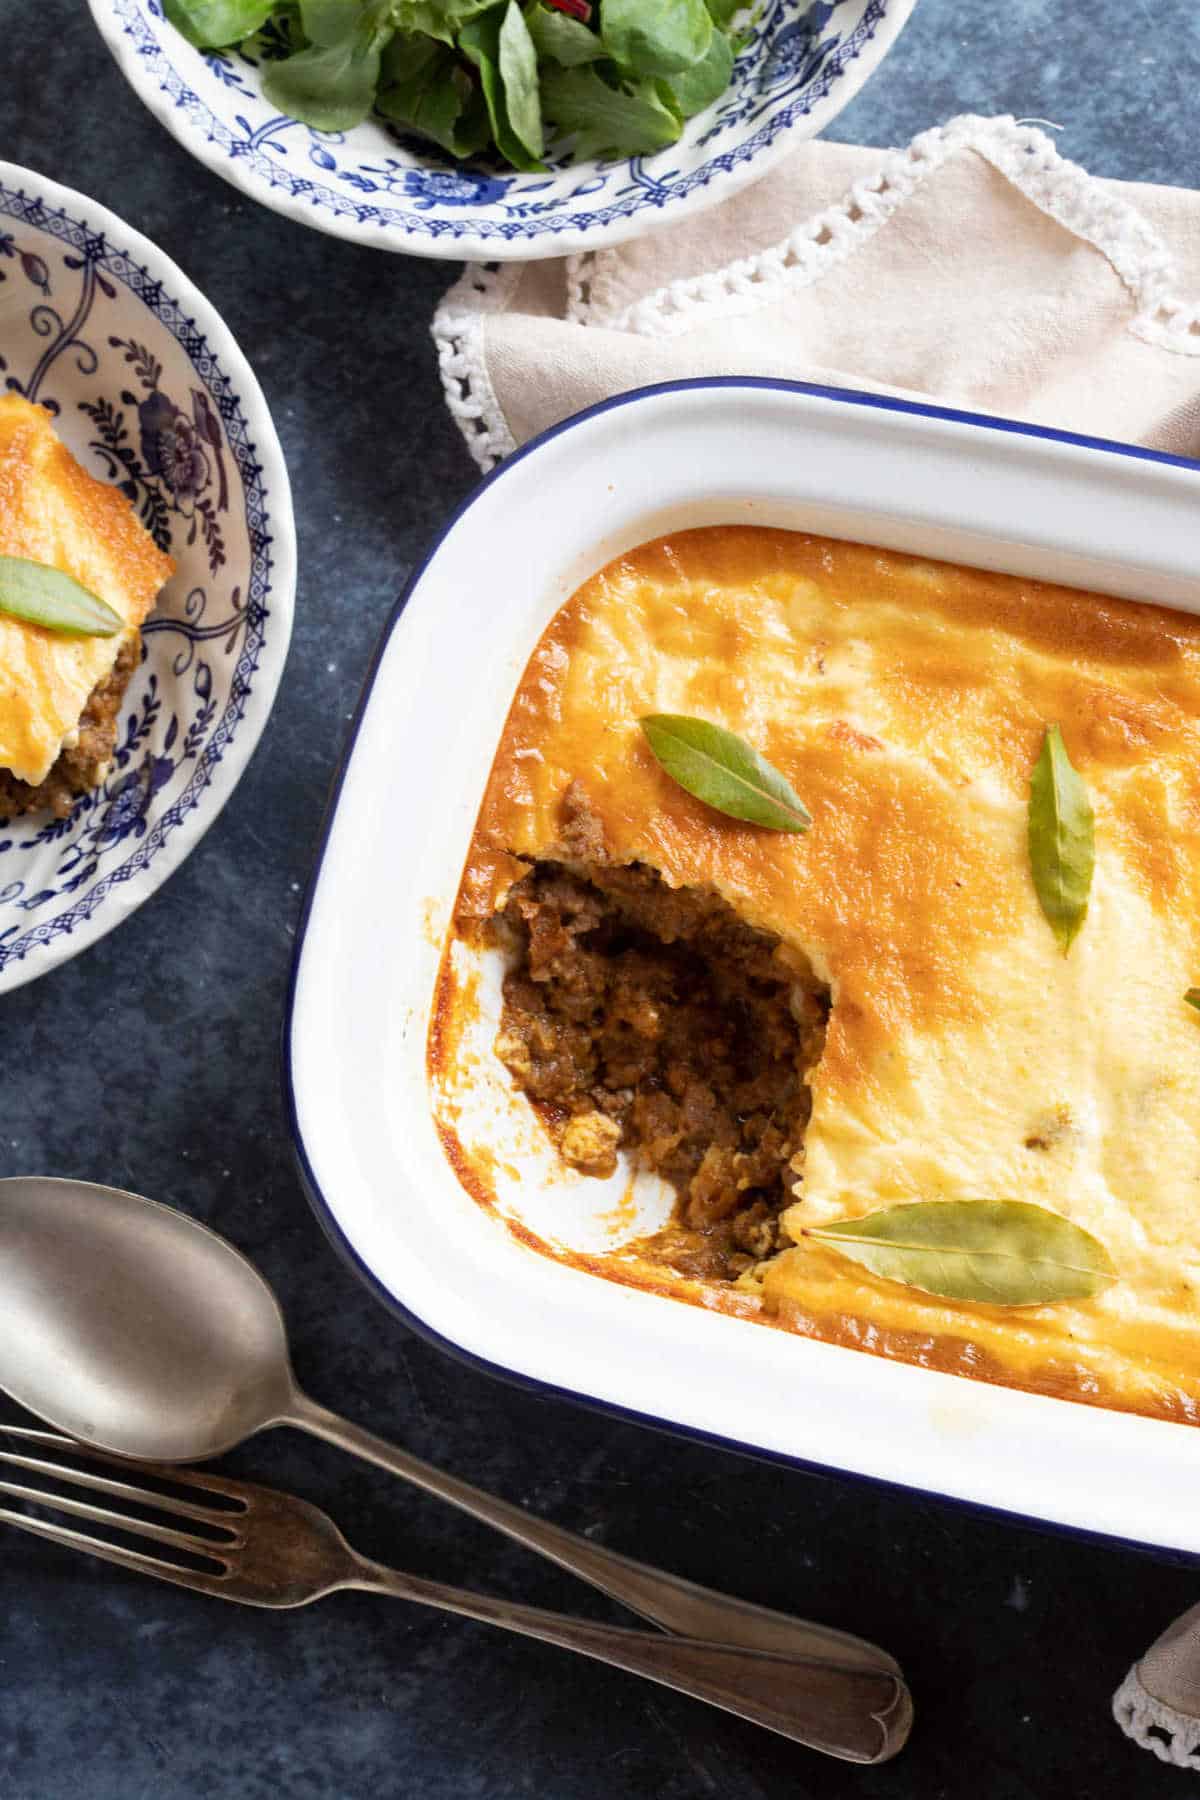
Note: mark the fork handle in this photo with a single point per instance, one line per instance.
(668, 1600)
(859, 1715)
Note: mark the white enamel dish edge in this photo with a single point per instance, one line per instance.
(910, 478)
(149, 390)
(804, 63)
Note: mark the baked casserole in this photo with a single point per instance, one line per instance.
(797, 1029)
(60, 695)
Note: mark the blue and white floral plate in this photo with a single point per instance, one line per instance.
(150, 391)
(804, 61)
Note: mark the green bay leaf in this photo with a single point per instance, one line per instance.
(1002, 1252)
(40, 595)
(724, 771)
(1193, 998)
(1061, 829)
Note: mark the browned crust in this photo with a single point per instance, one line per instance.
(79, 768)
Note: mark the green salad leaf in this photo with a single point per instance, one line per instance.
(601, 77)
(441, 19)
(331, 83)
(630, 120)
(480, 41)
(724, 771)
(424, 88)
(1003, 1252)
(333, 22)
(209, 24)
(695, 88)
(519, 73)
(42, 595)
(561, 39)
(331, 87)
(662, 39)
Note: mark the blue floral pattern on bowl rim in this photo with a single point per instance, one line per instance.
(149, 391)
(803, 61)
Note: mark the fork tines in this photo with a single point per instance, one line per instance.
(196, 1561)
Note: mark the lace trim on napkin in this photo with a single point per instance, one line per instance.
(1021, 153)
(458, 333)
(1024, 155)
(1172, 1736)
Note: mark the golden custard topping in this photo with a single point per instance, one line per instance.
(52, 511)
(964, 1056)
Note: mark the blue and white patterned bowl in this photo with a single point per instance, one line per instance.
(150, 391)
(804, 61)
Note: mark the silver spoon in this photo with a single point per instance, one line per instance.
(135, 1329)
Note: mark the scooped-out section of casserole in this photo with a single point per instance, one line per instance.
(962, 983)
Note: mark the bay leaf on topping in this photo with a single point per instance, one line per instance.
(724, 771)
(41, 595)
(1002, 1252)
(1061, 831)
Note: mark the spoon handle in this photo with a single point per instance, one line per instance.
(860, 1715)
(670, 1601)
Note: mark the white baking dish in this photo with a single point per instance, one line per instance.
(974, 490)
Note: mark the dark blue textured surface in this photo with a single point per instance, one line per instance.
(152, 1063)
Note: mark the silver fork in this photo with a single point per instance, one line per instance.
(258, 1547)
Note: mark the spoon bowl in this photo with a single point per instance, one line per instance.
(131, 1326)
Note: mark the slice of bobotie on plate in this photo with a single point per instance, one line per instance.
(60, 693)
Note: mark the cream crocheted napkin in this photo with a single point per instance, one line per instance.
(1158, 1703)
(976, 268)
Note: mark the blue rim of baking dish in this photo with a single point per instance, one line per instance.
(308, 1180)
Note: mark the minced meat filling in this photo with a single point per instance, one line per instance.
(652, 1018)
(81, 765)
